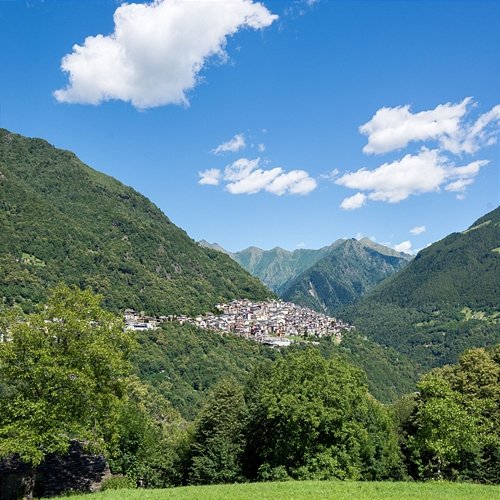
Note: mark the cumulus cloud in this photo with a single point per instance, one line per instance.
(394, 128)
(404, 246)
(231, 146)
(418, 230)
(353, 202)
(261, 147)
(245, 176)
(393, 182)
(157, 50)
(210, 177)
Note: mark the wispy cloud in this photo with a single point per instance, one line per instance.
(246, 176)
(156, 52)
(232, 146)
(418, 230)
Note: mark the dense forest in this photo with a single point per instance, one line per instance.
(62, 221)
(295, 415)
(443, 302)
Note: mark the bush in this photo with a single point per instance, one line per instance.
(117, 482)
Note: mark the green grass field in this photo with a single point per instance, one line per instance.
(297, 490)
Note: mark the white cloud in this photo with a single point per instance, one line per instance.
(394, 128)
(353, 202)
(240, 169)
(255, 181)
(157, 50)
(413, 174)
(473, 136)
(330, 176)
(404, 246)
(210, 177)
(232, 146)
(246, 176)
(418, 230)
(459, 185)
(261, 148)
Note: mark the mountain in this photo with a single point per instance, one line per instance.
(214, 246)
(348, 271)
(276, 267)
(367, 243)
(446, 300)
(60, 220)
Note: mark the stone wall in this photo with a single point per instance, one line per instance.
(75, 471)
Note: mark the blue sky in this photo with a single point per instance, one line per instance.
(270, 124)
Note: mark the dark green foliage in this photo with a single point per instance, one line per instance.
(389, 373)
(183, 362)
(346, 273)
(62, 221)
(443, 302)
(453, 431)
(316, 420)
(219, 436)
(151, 436)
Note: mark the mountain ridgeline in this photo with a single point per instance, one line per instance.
(446, 300)
(277, 267)
(325, 279)
(62, 221)
(345, 274)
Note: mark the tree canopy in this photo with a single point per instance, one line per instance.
(318, 422)
(64, 372)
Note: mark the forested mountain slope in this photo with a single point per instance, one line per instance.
(347, 272)
(446, 300)
(62, 221)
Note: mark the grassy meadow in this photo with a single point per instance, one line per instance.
(299, 490)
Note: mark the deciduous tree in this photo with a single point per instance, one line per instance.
(65, 370)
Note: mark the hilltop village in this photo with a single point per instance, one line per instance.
(270, 322)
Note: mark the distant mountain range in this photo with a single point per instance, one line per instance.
(447, 299)
(323, 279)
(347, 272)
(60, 220)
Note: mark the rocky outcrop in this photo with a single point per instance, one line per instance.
(75, 471)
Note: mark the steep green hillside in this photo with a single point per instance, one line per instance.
(183, 362)
(63, 221)
(277, 267)
(445, 301)
(347, 272)
(389, 373)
